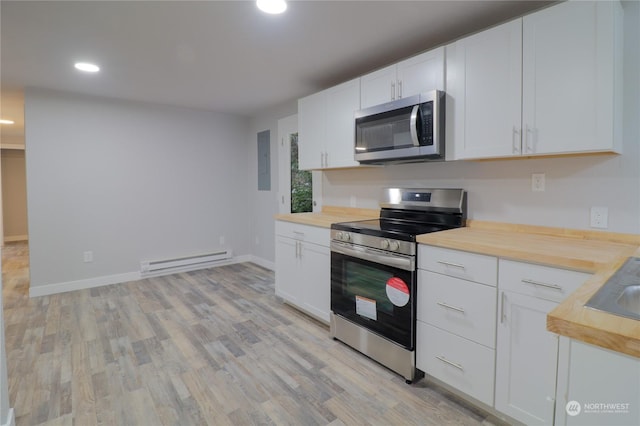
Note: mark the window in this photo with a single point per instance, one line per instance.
(298, 190)
(301, 187)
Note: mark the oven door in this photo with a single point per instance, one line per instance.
(380, 297)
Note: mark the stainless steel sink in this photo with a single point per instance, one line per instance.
(620, 295)
(629, 300)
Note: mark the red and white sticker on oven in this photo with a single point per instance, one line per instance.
(397, 291)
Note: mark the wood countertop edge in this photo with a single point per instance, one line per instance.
(573, 263)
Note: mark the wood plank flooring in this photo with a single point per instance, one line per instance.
(210, 347)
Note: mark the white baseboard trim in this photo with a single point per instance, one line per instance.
(49, 289)
(16, 238)
(263, 262)
(11, 419)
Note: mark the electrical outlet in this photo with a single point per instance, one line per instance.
(257, 240)
(537, 182)
(600, 217)
(222, 241)
(352, 201)
(88, 256)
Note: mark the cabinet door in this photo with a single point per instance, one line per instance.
(311, 131)
(592, 376)
(342, 102)
(568, 78)
(287, 281)
(487, 94)
(315, 277)
(378, 87)
(527, 358)
(421, 73)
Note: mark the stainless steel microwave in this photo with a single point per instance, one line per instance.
(406, 130)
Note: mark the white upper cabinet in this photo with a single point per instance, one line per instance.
(546, 84)
(570, 64)
(412, 76)
(487, 92)
(311, 131)
(342, 102)
(326, 132)
(378, 87)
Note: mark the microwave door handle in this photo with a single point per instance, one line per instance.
(413, 124)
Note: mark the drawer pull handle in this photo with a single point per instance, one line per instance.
(539, 284)
(455, 265)
(454, 308)
(446, 361)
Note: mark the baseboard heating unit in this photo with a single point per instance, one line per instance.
(181, 264)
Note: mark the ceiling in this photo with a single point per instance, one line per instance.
(224, 56)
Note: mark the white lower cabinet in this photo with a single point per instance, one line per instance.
(303, 268)
(482, 330)
(464, 308)
(458, 362)
(526, 360)
(455, 340)
(597, 386)
(527, 354)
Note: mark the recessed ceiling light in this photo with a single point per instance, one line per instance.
(273, 7)
(3, 121)
(87, 67)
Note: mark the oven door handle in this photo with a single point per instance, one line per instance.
(406, 263)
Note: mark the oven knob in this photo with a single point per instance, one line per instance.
(384, 244)
(394, 245)
(346, 236)
(339, 235)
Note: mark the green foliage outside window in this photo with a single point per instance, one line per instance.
(301, 190)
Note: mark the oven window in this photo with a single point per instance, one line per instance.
(377, 297)
(366, 281)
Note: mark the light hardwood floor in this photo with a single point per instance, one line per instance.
(208, 347)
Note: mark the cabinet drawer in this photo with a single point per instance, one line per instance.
(461, 307)
(465, 365)
(311, 234)
(539, 281)
(461, 264)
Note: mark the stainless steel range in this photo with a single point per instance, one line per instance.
(374, 273)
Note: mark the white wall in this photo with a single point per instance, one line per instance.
(264, 204)
(129, 181)
(501, 190)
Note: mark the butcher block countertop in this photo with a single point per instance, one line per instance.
(600, 253)
(329, 215)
